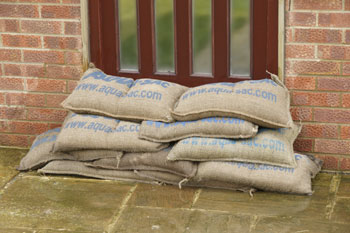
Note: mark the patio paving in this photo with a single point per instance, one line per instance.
(30, 202)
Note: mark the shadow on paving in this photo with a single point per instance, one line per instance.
(34, 203)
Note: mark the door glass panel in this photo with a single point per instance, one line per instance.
(128, 53)
(240, 37)
(164, 35)
(201, 37)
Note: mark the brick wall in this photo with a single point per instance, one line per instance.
(318, 75)
(40, 61)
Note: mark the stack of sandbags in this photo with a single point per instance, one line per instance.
(104, 124)
(224, 135)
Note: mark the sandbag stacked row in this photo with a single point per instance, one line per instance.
(203, 136)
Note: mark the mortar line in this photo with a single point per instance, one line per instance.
(333, 189)
(254, 221)
(196, 197)
(121, 210)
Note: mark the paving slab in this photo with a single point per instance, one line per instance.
(341, 212)
(9, 160)
(168, 196)
(180, 220)
(344, 187)
(296, 224)
(69, 204)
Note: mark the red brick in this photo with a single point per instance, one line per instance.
(11, 84)
(55, 100)
(53, 42)
(41, 1)
(24, 70)
(300, 19)
(303, 145)
(53, 57)
(347, 5)
(45, 27)
(55, 125)
(12, 113)
(71, 1)
(9, 25)
(21, 127)
(346, 68)
(60, 12)
(2, 98)
(74, 58)
(332, 115)
(345, 164)
(4, 126)
(329, 162)
(53, 115)
(333, 84)
(347, 37)
(21, 41)
(334, 52)
(319, 131)
(315, 67)
(318, 35)
(19, 11)
(300, 51)
(301, 83)
(71, 86)
(334, 19)
(345, 132)
(64, 72)
(46, 85)
(346, 100)
(36, 100)
(13, 140)
(10, 55)
(332, 146)
(289, 35)
(316, 99)
(301, 114)
(317, 4)
(72, 28)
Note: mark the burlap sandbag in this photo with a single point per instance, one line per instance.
(156, 161)
(61, 167)
(163, 177)
(40, 153)
(150, 99)
(262, 176)
(269, 146)
(98, 93)
(264, 102)
(213, 127)
(91, 132)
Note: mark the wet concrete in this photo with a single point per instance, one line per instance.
(34, 203)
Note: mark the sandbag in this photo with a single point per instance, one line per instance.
(61, 167)
(150, 99)
(92, 132)
(264, 102)
(262, 176)
(214, 127)
(269, 146)
(163, 177)
(40, 153)
(98, 93)
(156, 161)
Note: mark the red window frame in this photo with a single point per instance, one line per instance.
(104, 44)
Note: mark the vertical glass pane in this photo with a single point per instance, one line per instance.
(128, 35)
(164, 35)
(240, 37)
(201, 30)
